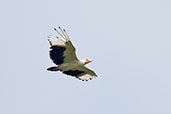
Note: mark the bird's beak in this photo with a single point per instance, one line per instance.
(89, 60)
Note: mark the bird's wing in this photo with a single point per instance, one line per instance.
(62, 49)
(82, 73)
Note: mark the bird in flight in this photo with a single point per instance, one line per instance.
(62, 53)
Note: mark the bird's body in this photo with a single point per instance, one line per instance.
(70, 65)
(63, 55)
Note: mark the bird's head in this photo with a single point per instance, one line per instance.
(86, 61)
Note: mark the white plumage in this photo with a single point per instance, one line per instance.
(63, 55)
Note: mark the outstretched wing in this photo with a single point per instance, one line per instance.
(82, 73)
(62, 49)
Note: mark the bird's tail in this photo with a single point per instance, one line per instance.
(52, 69)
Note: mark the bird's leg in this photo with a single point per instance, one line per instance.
(64, 34)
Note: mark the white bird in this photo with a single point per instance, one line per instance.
(63, 55)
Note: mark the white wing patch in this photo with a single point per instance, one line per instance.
(86, 77)
(56, 41)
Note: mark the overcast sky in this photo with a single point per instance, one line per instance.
(129, 42)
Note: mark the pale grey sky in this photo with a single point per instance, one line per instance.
(129, 42)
